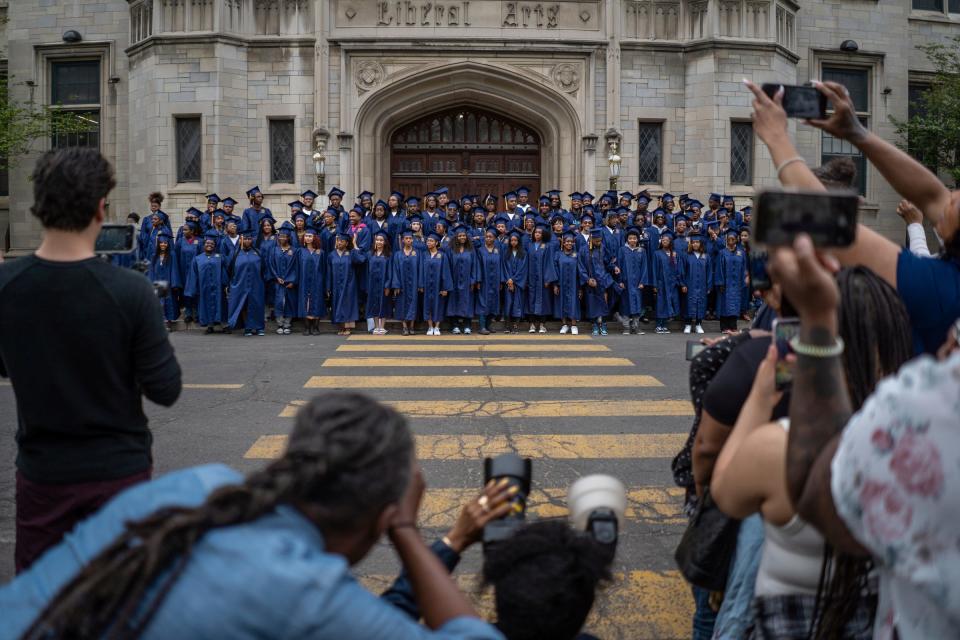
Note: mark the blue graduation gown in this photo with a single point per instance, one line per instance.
(436, 278)
(183, 254)
(696, 274)
(407, 277)
(430, 222)
(476, 236)
(464, 272)
(491, 279)
(227, 247)
(539, 297)
(312, 283)
(514, 268)
(612, 241)
(206, 283)
(265, 247)
(633, 273)
(342, 285)
(379, 277)
(565, 273)
(593, 264)
(729, 273)
(150, 248)
(666, 279)
(680, 246)
(251, 217)
(396, 223)
(328, 239)
(284, 264)
(246, 289)
(514, 221)
(162, 269)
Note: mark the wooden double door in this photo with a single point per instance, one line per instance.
(467, 150)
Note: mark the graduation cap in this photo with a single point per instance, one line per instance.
(523, 191)
(711, 224)
(397, 195)
(253, 192)
(695, 204)
(569, 234)
(415, 218)
(576, 195)
(296, 204)
(715, 197)
(608, 198)
(529, 216)
(268, 217)
(308, 194)
(588, 209)
(491, 230)
(629, 196)
(510, 195)
(695, 235)
(659, 212)
(667, 234)
(211, 234)
(380, 203)
(335, 191)
(413, 200)
(383, 234)
(746, 210)
(357, 209)
(228, 202)
(480, 210)
(727, 198)
(365, 194)
(623, 211)
(589, 217)
(440, 222)
(541, 224)
(544, 200)
(299, 215)
(430, 194)
(465, 199)
(453, 205)
(407, 232)
(287, 228)
(310, 229)
(633, 231)
(442, 190)
(642, 199)
(212, 197)
(683, 197)
(193, 211)
(732, 232)
(220, 213)
(554, 193)
(332, 211)
(596, 233)
(343, 235)
(433, 236)
(667, 197)
(501, 218)
(680, 218)
(515, 233)
(612, 212)
(458, 228)
(554, 219)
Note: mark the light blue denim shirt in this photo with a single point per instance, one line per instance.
(265, 579)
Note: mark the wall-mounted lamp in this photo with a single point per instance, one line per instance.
(319, 167)
(850, 46)
(72, 36)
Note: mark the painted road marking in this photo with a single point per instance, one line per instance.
(481, 382)
(531, 409)
(213, 386)
(474, 348)
(477, 362)
(659, 505)
(641, 605)
(529, 337)
(556, 446)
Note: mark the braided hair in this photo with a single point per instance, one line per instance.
(348, 457)
(876, 330)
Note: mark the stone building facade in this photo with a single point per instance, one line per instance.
(197, 96)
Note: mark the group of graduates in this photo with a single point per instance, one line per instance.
(438, 259)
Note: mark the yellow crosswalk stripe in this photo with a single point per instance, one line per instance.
(532, 409)
(640, 605)
(481, 382)
(555, 446)
(475, 348)
(461, 338)
(661, 505)
(477, 362)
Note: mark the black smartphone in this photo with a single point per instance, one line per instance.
(694, 348)
(800, 101)
(116, 238)
(829, 217)
(759, 278)
(784, 330)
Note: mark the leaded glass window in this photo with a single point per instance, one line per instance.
(282, 163)
(741, 153)
(189, 138)
(649, 152)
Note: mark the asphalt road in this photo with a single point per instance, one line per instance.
(576, 405)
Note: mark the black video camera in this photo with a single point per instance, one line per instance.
(519, 473)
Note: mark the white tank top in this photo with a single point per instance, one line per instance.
(792, 556)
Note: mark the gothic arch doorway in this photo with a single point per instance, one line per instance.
(467, 149)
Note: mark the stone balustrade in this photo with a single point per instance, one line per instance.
(287, 18)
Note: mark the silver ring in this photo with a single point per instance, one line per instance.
(483, 502)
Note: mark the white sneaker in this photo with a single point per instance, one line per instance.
(287, 331)
(430, 331)
(686, 329)
(699, 329)
(574, 331)
(543, 328)
(456, 331)
(533, 328)
(436, 331)
(279, 331)
(467, 331)
(564, 329)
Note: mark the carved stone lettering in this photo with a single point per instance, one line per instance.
(425, 10)
(531, 15)
(428, 13)
(384, 17)
(420, 13)
(510, 20)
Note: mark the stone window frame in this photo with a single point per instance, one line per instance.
(752, 168)
(192, 185)
(269, 150)
(662, 123)
(946, 12)
(872, 63)
(47, 54)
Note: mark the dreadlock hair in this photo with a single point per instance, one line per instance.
(838, 173)
(348, 457)
(545, 579)
(876, 330)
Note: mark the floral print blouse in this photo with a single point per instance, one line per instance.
(896, 484)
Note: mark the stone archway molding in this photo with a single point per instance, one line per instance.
(485, 84)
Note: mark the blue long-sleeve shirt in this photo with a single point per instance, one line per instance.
(270, 578)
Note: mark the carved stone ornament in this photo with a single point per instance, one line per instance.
(585, 16)
(368, 75)
(566, 77)
(350, 13)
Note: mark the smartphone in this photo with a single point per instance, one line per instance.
(116, 238)
(759, 278)
(800, 101)
(829, 217)
(784, 329)
(694, 347)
